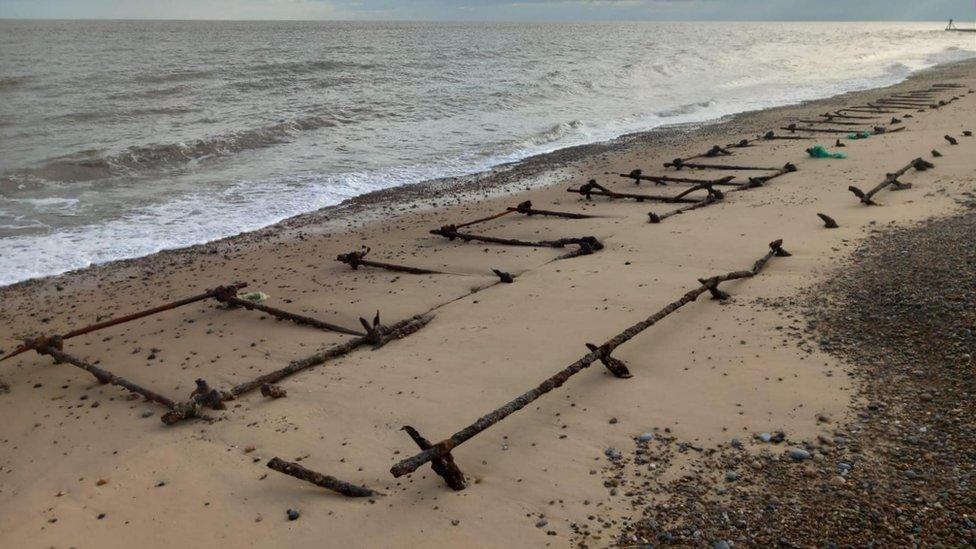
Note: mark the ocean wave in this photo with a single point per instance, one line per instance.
(304, 67)
(11, 82)
(95, 164)
(684, 109)
(178, 76)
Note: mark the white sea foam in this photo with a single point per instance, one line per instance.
(170, 147)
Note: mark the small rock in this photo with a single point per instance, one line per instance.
(542, 523)
(455, 522)
(732, 476)
(646, 437)
(613, 420)
(736, 443)
(146, 413)
(799, 454)
(722, 544)
(293, 514)
(837, 481)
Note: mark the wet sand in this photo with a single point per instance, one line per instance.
(710, 372)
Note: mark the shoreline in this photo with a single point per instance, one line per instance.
(712, 372)
(499, 179)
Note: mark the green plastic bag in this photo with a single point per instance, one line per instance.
(858, 135)
(817, 151)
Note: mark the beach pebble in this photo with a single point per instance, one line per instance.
(612, 454)
(542, 523)
(732, 476)
(765, 437)
(293, 514)
(613, 420)
(146, 413)
(799, 454)
(837, 481)
(646, 437)
(736, 443)
(722, 544)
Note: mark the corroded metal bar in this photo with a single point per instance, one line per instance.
(325, 481)
(586, 244)
(231, 298)
(680, 164)
(444, 447)
(397, 331)
(527, 209)
(891, 179)
(357, 259)
(53, 349)
(444, 466)
(593, 188)
(28, 345)
(638, 176)
(707, 201)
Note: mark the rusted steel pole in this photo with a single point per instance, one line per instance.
(795, 128)
(678, 164)
(231, 298)
(829, 222)
(483, 219)
(444, 447)
(204, 397)
(638, 176)
(396, 331)
(594, 188)
(707, 201)
(834, 122)
(325, 481)
(866, 110)
(527, 209)
(830, 116)
(891, 179)
(134, 316)
(52, 348)
(587, 244)
(357, 259)
(444, 466)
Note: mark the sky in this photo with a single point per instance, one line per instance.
(497, 10)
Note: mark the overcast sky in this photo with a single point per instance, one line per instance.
(494, 10)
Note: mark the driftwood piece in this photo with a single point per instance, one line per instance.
(828, 221)
(445, 446)
(325, 481)
(358, 259)
(891, 179)
(30, 344)
(444, 466)
(230, 298)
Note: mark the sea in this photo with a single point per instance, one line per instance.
(122, 138)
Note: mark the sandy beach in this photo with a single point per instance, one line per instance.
(85, 465)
